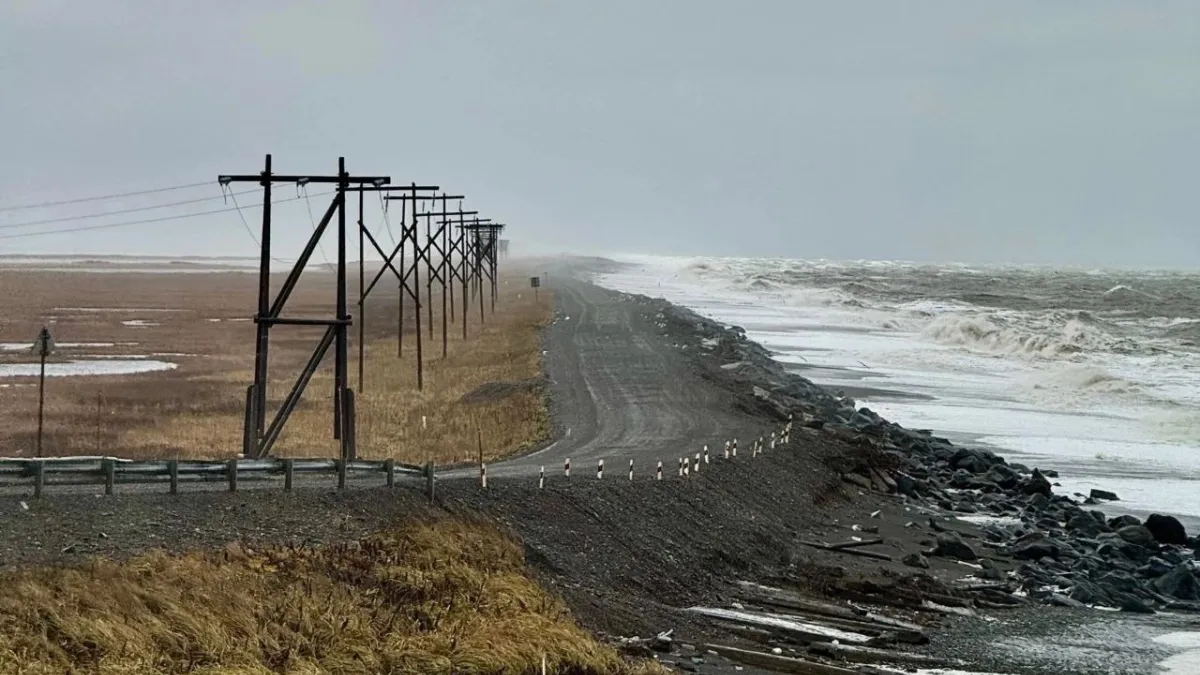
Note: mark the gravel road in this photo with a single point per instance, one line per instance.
(620, 389)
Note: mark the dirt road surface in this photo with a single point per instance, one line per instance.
(621, 390)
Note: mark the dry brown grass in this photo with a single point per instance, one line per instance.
(196, 410)
(447, 597)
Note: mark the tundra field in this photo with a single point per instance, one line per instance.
(190, 334)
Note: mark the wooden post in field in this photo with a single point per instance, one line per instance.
(231, 467)
(429, 480)
(42, 346)
(389, 470)
(289, 466)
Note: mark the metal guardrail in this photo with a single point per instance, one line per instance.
(113, 471)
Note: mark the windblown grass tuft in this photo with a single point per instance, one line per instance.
(447, 597)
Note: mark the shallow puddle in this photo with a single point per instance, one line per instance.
(115, 366)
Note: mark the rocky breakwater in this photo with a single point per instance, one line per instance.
(1031, 544)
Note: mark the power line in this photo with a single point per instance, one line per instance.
(313, 220)
(88, 216)
(147, 221)
(80, 200)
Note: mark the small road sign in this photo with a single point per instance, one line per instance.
(43, 344)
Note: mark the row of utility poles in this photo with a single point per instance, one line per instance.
(459, 249)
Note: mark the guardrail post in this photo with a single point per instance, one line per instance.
(173, 472)
(341, 473)
(39, 479)
(389, 469)
(232, 470)
(109, 468)
(429, 480)
(288, 468)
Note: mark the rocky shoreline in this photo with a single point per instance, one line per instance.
(1033, 545)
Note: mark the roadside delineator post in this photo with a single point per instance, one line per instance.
(681, 467)
(631, 469)
(772, 440)
(735, 447)
(542, 478)
(483, 474)
(600, 470)
(687, 466)
(658, 474)
(726, 449)
(706, 453)
(567, 467)
(697, 462)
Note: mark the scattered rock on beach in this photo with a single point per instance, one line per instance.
(950, 545)
(1166, 530)
(1104, 495)
(1139, 535)
(1179, 583)
(1037, 485)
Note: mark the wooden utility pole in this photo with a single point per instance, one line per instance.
(42, 346)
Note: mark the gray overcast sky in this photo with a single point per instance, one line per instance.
(1014, 131)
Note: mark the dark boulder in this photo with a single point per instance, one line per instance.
(962, 480)
(1003, 476)
(1090, 594)
(1086, 525)
(916, 560)
(1117, 580)
(1131, 603)
(1155, 567)
(1179, 583)
(950, 545)
(1104, 494)
(1121, 521)
(1166, 529)
(1138, 535)
(1037, 485)
(1034, 546)
(1037, 501)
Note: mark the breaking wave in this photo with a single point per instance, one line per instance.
(999, 310)
(1085, 379)
(1052, 335)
